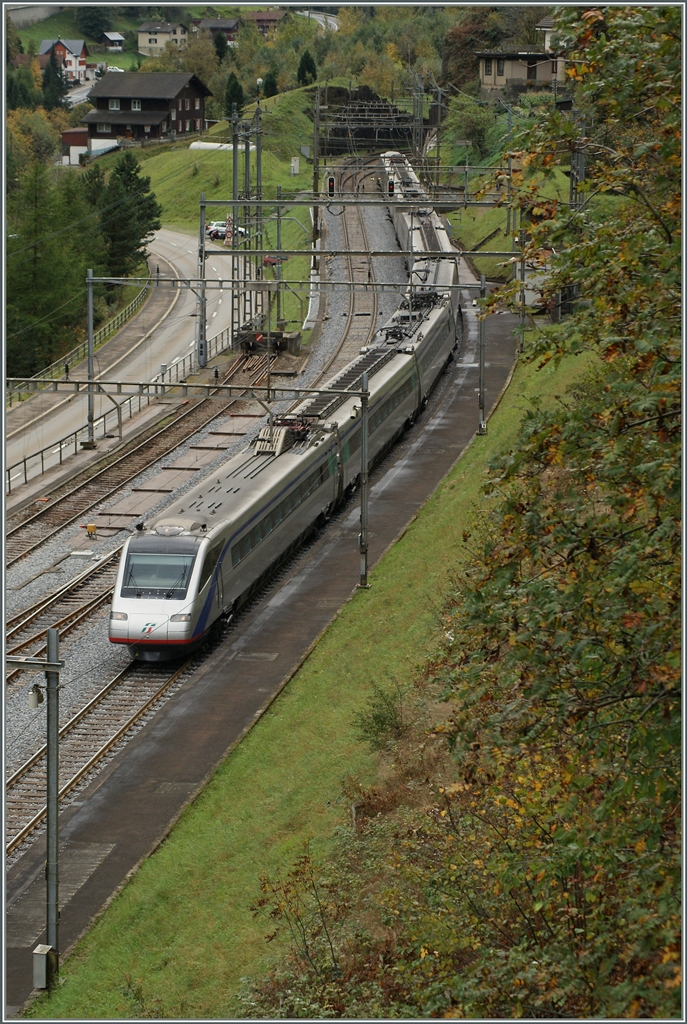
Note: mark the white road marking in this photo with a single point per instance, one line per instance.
(215, 313)
(215, 270)
(219, 303)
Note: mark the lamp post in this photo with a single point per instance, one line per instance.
(46, 955)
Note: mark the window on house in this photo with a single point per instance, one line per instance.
(197, 124)
(532, 70)
(176, 42)
(197, 104)
(187, 104)
(500, 68)
(103, 128)
(174, 31)
(487, 67)
(146, 128)
(173, 114)
(114, 104)
(135, 104)
(188, 126)
(164, 127)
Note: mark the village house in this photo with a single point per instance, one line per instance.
(26, 59)
(153, 36)
(229, 27)
(112, 41)
(266, 21)
(517, 70)
(74, 145)
(71, 55)
(140, 107)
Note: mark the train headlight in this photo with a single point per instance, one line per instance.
(180, 618)
(122, 616)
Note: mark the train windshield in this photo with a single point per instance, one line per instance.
(153, 574)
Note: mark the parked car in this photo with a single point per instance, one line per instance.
(271, 261)
(219, 230)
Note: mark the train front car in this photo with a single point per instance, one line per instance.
(155, 603)
(199, 558)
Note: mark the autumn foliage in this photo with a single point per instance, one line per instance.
(539, 875)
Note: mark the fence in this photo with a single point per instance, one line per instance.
(79, 353)
(53, 454)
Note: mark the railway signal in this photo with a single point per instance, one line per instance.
(391, 187)
(330, 185)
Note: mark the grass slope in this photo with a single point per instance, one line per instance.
(181, 937)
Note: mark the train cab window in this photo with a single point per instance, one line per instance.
(209, 564)
(149, 574)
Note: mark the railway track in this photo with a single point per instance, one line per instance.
(80, 497)
(64, 609)
(94, 731)
(85, 740)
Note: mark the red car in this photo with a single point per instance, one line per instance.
(271, 261)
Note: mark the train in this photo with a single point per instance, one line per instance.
(200, 558)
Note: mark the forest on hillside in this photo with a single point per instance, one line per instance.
(385, 48)
(520, 854)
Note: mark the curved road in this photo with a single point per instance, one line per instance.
(128, 355)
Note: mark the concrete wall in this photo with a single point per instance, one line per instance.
(30, 14)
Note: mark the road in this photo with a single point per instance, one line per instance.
(46, 418)
(324, 20)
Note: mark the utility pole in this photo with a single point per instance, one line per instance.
(364, 498)
(90, 442)
(247, 220)
(53, 690)
(202, 351)
(316, 181)
(258, 213)
(280, 324)
(482, 429)
(235, 284)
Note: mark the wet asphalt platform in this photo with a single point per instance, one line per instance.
(120, 818)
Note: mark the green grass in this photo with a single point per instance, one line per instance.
(63, 24)
(179, 175)
(484, 228)
(181, 937)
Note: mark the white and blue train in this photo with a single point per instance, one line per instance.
(203, 555)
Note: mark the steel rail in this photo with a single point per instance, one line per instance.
(26, 830)
(230, 400)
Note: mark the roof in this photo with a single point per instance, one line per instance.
(263, 15)
(26, 58)
(545, 23)
(124, 117)
(114, 36)
(154, 85)
(218, 23)
(160, 26)
(73, 45)
(517, 54)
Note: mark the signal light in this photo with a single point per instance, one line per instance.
(391, 187)
(330, 185)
